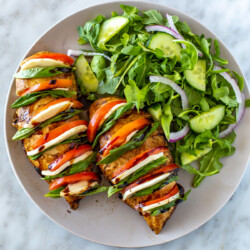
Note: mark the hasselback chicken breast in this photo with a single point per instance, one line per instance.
(135, 159)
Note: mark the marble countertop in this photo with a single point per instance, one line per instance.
(21, 23)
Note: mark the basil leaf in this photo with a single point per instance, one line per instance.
(137, 174)
(139, 138)
(27, 132)
(78, 139)
(41, 72)
(163, 209)
(33, 97)
(157, 186)
(74, 169)
(94, 190)
(110, 122)
(54, 193)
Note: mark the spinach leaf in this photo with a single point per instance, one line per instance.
(150, 190)
(74, 169)
(27, 132)
(42, 72)
(110, 122)
(33, 97)
(138, 139)
(54, 193)
(137, 174)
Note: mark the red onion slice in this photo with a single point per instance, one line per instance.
(175, 136)
(77, 53)
(171, 24)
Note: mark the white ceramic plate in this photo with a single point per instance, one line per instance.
(109, 221)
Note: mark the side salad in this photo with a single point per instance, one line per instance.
(157, 63)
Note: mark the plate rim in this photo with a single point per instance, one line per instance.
(158, 6)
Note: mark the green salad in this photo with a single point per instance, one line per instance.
(158, 64)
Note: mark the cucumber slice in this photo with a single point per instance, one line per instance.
(155, 111)
(165, 42)
(110, 28)
(86, 79)
(207, 120)
(187, 158)
(197, 77)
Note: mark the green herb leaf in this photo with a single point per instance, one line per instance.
(153, 17)
(54, 193)
(98, 65)
(95, 190)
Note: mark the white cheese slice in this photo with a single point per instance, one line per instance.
(68, 163)
(77, 188)
(111, 111)
(64, 89)
(142, 186)
(130, 136)
(136, 167)
(161, 203)
(41, 62)
(60, 138)
(48, 113)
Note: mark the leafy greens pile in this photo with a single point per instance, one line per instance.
(132, 62)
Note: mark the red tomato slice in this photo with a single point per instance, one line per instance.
(138, 158)
(75, 104)
(98, 117)
(54, 56)
(63, 181)
(59, 83)
(173, 192)
(58, 131)
(151, 176)
(69, 155)
(120, 136)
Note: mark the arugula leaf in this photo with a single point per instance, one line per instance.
(131, 13)
(131, 50)
(90, 31)
(27, 132)
(33, 97)
(74, 169)
(247, 103)
(166, 120)
(205, 46)
(98, 65)
(40, 72)
(137, 140)
(110, 122)
(55, 193)
(216, 57)
(153, 17)
(137, 174)
(150, 190)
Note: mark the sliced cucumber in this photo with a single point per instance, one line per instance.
(197, 77)
(86, 79)
(187, 158)
(207, 120)
(155, 111)
(165, 42)
(110, 28)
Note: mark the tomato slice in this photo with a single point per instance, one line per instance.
(57, 132)
(68, 156)
(59, 83)
(74, 104)
(120, 136)
(152, 175)
(98, 117)
(83, 176)
(137, 159)
(54, 56)
(173, 192)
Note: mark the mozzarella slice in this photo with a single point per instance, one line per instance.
(136, 167)
(48, 113)
(77, 188)
(142, 186)
(161, 203)
(60, 138)
(130, 136)
(111, 111)
(41, 62)
(66, 164)
(64, 89)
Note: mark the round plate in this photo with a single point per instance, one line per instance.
(109, 221)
